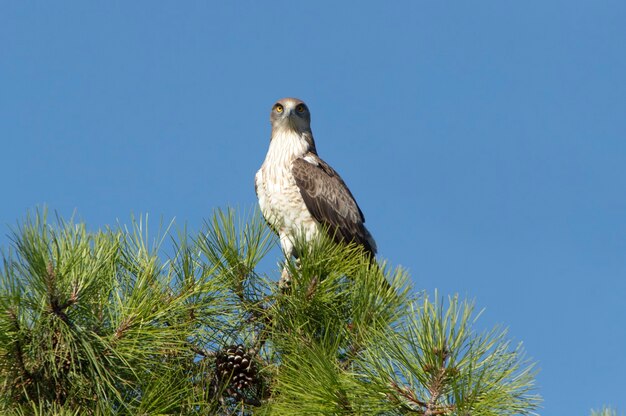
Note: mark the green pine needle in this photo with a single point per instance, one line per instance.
(122, 321)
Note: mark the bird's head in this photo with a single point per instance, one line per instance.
(291, 114)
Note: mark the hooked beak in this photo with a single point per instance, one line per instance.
(292, 118)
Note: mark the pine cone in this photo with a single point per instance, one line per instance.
(236, 366)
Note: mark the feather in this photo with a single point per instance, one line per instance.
(330, 202)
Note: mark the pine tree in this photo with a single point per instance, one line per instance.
(606, 411)
(114, 323)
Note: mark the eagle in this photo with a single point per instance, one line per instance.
(301, 195)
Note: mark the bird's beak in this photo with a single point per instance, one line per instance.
(291, 116)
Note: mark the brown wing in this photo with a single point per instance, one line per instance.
(331, 203)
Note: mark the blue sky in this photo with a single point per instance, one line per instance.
(485, 141)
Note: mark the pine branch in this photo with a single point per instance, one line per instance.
(106, 323)
(19, 352)
(437, 364)
(605, 411)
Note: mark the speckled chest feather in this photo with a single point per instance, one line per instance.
(280, 199)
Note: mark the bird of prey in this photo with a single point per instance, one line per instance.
(300, 193)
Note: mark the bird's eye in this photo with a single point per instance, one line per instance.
(278, 108)
(300, 108)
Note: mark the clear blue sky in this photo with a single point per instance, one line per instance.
(485, 141)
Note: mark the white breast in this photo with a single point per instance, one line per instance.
(279, 197)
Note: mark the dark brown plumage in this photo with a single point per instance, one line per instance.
(330, 202)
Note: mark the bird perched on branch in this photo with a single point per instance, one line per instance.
(300, 193)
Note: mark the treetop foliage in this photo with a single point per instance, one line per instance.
(114, 323)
